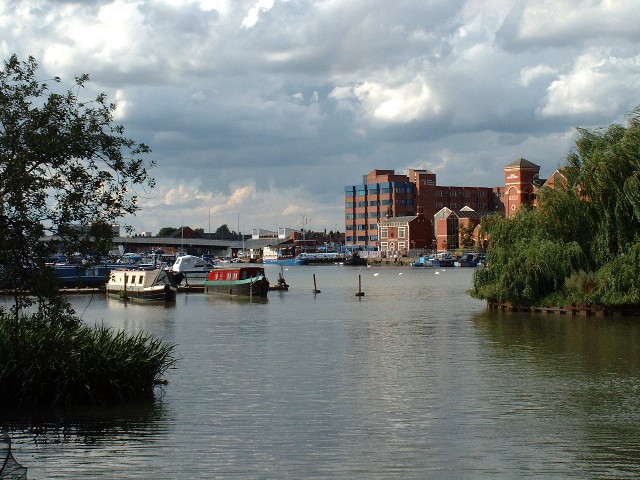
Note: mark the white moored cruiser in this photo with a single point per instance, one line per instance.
(191, 270)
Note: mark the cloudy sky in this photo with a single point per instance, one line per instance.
(259, 112)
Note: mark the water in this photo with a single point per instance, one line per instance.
(413, 380)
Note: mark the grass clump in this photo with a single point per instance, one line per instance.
(52, 364)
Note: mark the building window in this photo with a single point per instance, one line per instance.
(384, 232)
(350, 193)
(439, 193)
(373, 191)
(362, 204)
(402, 232)
(387, 202)
(373, 238)
(373, 226)
(362, 238)
(350, 216)
(362, 215)
(374, 203)
(349, 205)
(384, 246)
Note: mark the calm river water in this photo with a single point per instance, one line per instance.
(414, 380)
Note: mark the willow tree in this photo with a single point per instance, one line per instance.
(65, 169)
(583, 241)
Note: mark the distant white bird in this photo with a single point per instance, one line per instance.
(376, 274)
(400, 273)
(437, 273)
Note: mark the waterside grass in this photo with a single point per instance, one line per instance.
(48, 364)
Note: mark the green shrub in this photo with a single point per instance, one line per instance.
(45, 363)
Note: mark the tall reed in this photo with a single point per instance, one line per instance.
(48, 364)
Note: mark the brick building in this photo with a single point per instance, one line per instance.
(383, 195)
(384, 198)
(401, 234)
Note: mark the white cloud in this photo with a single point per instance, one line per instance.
(529, 74)
(599, 83)
(251, 104)
(253, 15)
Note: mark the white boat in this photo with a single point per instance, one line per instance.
(191, 270)
(142, 285)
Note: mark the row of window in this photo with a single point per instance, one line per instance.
(363, 191)
(402, 232)
(455, 193)
(361, 238)
(454, 205)
(371, 226)
(386, 246)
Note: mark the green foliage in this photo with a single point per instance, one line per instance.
(63, 166)
(618, 282)
(582, 244)
(524, 266)
(223, 231)
(466, 236)
(167, 231)
(51, 365)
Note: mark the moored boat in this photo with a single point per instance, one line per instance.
(237, 281)
(73, 275)
(191, 269)
(142, 285)
(279, 255)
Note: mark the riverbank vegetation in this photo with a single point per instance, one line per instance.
(50, 364)
(581, 245)
(67, 173)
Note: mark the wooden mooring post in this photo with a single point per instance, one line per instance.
(315, 289)
(359, 293)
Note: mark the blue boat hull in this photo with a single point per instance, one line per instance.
(287, 262)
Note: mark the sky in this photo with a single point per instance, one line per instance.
(259, 112)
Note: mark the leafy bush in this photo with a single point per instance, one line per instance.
(582, 243)
(47, 363)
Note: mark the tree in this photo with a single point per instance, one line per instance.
(167, 231)
(466, 236)
(224, 232)
(65, 168)
(582, 244)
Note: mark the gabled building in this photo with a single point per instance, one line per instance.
(401, 234)
(457, 229)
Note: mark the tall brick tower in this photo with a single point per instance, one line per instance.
(519, 185)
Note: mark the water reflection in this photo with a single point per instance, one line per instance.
(413, 380)
(581, 374)
(88, 425)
